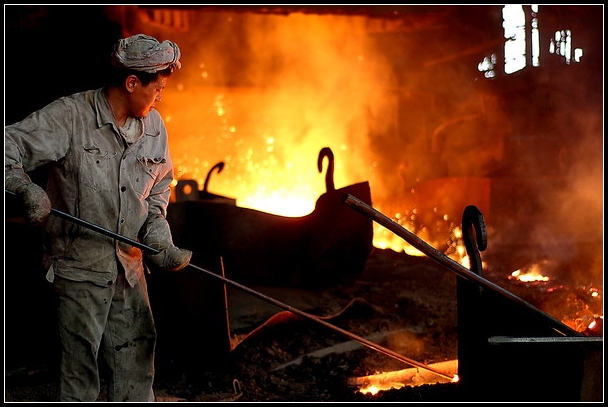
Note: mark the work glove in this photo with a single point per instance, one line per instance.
(35, 201)
(157, 235)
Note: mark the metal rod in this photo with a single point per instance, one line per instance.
(454, 266)
(98, 228)
(227, 313)
(314, 318)
(257, 294)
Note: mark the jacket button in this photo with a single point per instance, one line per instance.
(110, 282)
(123, 189)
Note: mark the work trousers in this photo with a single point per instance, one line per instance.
(115, 320)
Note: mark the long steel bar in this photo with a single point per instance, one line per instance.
(377, 216)
(98, 228)
(257, 294)
(314, 318)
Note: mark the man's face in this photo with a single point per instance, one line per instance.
(144, 98)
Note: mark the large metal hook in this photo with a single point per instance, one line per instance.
(329, 176)
(219, 167)
(472, 219)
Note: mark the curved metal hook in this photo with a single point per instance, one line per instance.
(473, 218)
(329, 176)
(219, 166)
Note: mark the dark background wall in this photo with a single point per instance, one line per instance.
(51, 51)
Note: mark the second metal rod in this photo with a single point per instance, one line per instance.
(444, 260)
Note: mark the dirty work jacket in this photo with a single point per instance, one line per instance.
(93, 174)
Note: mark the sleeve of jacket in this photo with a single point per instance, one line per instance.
(38, 139)
(156, 232)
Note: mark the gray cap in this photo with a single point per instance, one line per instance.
(141, 52)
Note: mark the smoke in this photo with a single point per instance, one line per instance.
(266, 93)
(573, 212)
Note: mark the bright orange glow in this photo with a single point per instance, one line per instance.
(529, 274)
(410, 377)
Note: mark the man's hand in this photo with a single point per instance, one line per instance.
(171, 259)
(36, 203)
(156, 234)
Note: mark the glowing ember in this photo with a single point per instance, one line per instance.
(529, 274)
(596, 327)
(434, 234)
(411, 377)
(592, 325)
